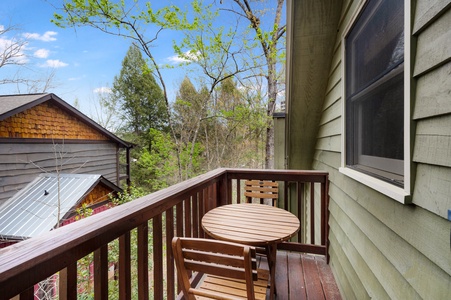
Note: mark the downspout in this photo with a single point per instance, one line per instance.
(128, 168)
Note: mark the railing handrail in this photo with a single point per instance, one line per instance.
(76, 240)
(278, 174)
(30, 261)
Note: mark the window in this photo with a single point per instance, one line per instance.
(374, 91)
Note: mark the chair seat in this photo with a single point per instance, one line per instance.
(231, 269)
(234, 288)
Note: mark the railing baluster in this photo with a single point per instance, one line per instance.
(323, 214)
(143, 261)
(207, 191)
(238, 191)
(27, 294)
(201, 212)
(170, 274)
(68, 282)
(101, 273)
(195, 209)
(285, 195)
(300, 199)
(188, 221)
(179, 218)
(229, 190)
(157, 257)
(312, 213)
(179, 227)
(125, 277)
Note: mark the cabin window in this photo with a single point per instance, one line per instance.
(374, 91)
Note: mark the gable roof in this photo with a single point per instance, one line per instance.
(14, 104)
(34, 209)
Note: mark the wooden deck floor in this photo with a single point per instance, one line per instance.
(304, 276)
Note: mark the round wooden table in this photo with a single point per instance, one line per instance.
(254, 225)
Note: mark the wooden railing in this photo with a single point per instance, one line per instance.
(176, 210)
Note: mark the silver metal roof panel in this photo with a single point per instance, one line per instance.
(34, 209)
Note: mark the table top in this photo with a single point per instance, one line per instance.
(251, 224)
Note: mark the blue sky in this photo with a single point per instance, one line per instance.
(84, 59)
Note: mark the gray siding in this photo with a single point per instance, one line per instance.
(21, 162)
(382, 249)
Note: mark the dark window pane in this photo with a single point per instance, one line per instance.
(375, 90)
(383, 121)
(375, 44)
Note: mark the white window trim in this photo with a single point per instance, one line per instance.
(402, 195)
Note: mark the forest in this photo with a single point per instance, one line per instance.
(222, 114)
(232, 55)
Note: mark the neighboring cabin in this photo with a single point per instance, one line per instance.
(369, 101)
(40, 136)
(52, 200)
(40, 131)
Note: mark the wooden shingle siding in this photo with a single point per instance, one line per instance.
(20, 163)
(379, 248)
(47, 121)
(98, 195)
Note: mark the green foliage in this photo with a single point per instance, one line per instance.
(83, 211)
(108, 14)
(213, 122)
(140, 97)
(130, 194)
(153, 160)
(155, 165)
(190, 110)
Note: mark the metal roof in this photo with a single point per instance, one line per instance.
(14, 104)
(34, 209)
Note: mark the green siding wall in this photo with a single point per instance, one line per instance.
(382, 249)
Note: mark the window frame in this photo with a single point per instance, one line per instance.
(400, 194)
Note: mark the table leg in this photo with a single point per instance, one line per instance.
(272, 256)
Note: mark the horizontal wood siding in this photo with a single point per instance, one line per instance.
(317, 28)
(379, 248)
(433, 93)
(432, 109)
(20, 163)
(433, 47)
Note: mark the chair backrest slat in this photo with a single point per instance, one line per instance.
(261, 189)
(216, 258)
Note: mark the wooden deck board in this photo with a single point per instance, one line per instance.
(304, 276)
(296, 276)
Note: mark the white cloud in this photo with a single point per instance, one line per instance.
(102, 90)
(18, 55)
(41, 53)
(48, 36)
(187, 57)
(54, 63)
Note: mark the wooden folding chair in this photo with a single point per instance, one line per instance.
(230, 269)
(264, 191)
(261, 189)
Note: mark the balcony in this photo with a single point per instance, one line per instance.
(156, 218)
